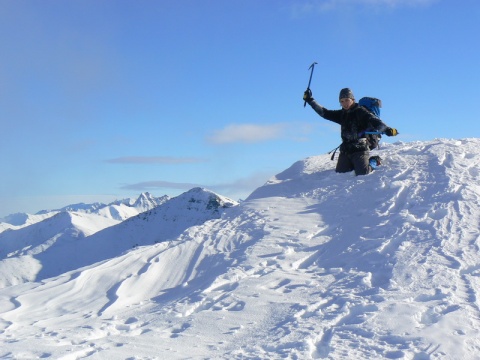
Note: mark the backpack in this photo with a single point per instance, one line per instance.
(373, 105)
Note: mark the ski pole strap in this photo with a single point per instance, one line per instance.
(334, 151)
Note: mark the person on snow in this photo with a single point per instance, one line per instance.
(354, 120)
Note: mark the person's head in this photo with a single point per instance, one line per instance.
(346, 98)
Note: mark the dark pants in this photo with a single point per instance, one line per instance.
(357, 161)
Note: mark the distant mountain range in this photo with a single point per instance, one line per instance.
(117, 210)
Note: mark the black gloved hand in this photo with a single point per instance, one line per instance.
(391, 132)
(307, 96)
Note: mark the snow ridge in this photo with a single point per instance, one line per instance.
(313, 265)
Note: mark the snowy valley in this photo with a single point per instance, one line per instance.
(312, 265)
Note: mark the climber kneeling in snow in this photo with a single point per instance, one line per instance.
(354, 120)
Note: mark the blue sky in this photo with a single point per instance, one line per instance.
(102, 100)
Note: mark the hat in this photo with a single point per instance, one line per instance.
(346, 93)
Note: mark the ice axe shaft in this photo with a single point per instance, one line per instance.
(374, 132)
(310, 80)
(311, 73)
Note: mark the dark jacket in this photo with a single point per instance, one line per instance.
(354, 122)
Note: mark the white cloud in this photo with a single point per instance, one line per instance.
(252, 133)
(247, 133)
(238, 188)
(245, 184)
(160, 184)
(153, 160)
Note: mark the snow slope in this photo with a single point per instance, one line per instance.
(38, 251)
(80, 239)
(313, 265)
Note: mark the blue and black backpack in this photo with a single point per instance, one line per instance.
(373, 105)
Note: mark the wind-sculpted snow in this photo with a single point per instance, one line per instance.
(313, 265)
(71, 240)
(38, 251)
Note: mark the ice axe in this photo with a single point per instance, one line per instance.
(309, 80)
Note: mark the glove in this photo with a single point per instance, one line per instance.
(391, 132)
(307, 96)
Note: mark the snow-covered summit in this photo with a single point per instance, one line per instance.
(147, 201)
(200, 199)
(313, 265)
